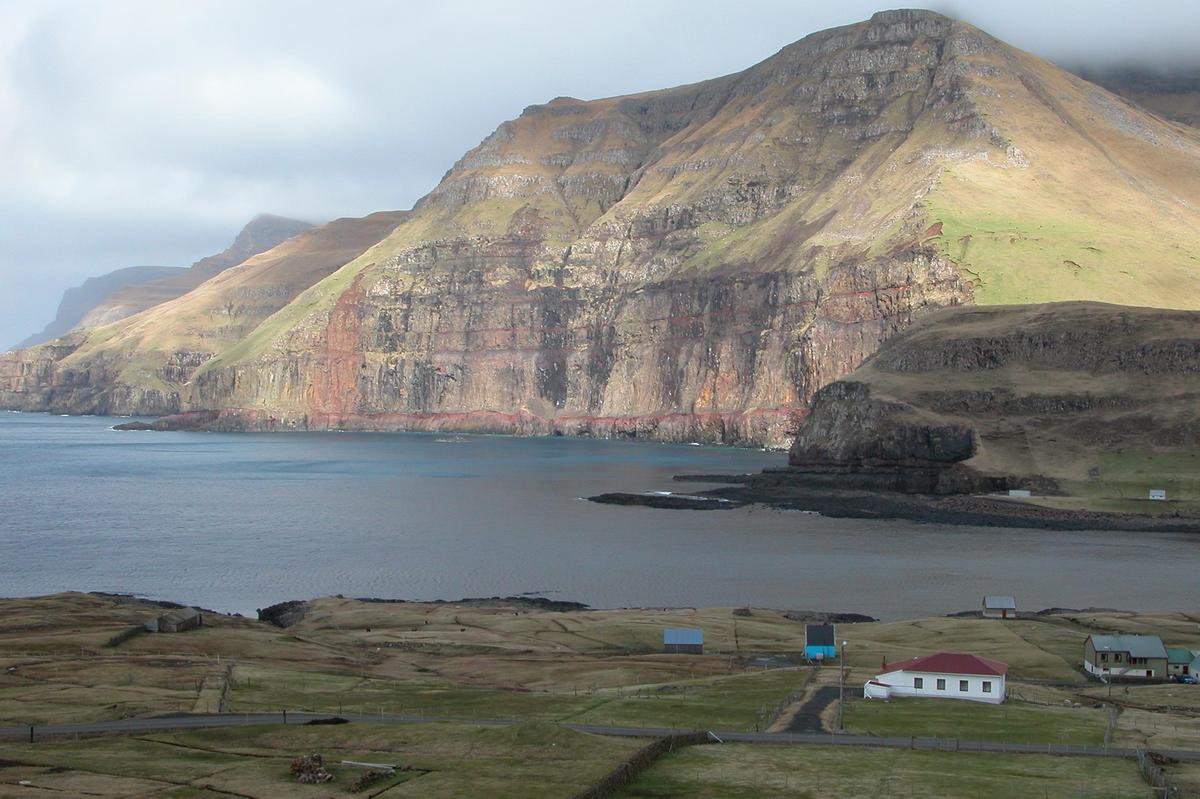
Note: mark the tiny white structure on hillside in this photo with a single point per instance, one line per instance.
(999, 607)
(946, 675)
(1158, 493)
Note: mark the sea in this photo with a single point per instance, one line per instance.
(237, 522)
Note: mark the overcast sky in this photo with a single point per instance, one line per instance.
(139, 133)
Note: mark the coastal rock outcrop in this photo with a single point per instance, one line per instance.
(1095, 399)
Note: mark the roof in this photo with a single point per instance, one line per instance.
(818, 635)
(180, 614)
(1180, 656)
(951, 663)
(682, 636)
(1138, 646)
(999, 603)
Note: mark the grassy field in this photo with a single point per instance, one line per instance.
(446, 761)
(734, 771)
(518, 662)
(1015, 722)
(475, 661)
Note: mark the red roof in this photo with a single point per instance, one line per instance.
(951, 663)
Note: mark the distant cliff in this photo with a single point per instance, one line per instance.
(259, 235)
(77, 302)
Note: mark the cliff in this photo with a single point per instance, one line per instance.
(696, 263)
(1080, 398)
(259, 235)
(140, 365)
(79, 300)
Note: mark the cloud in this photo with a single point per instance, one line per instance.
(147, 131)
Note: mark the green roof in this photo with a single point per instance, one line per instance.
(1182, 656)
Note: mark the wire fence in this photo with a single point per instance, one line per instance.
(1156, 775)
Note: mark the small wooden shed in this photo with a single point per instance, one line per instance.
(999, 607)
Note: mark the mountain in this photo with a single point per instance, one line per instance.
(260, 234)
(1087, 399)
(1172, 93)
(78, 301)
(696, 263)
(139, 364)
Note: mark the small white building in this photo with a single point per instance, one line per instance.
(946, 675)
(999, 607)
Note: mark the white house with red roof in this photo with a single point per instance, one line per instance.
(946, 675)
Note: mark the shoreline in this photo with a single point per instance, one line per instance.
(773, 490)
(269, 614)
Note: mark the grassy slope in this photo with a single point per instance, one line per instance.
(222, 310)
(736, 771)
(447, 761)
(589, 666)
(1105, 209)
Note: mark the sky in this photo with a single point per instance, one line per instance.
(148, 132)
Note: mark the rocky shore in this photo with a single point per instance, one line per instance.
(785, 490)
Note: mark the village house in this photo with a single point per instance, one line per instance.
(1179, 661)
(999, 607)
(820, 641)
(683, 641)
(946, 675)
(1141, 657)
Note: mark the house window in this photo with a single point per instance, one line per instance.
(1116, 657)
(918, 682)
(987, 686)
(941, 684)
(1103, 657)
(962, 685)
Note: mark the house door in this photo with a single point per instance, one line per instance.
(1149, 673)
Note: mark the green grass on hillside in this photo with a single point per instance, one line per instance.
(742, 771)
(1016, 722)
(536, 761)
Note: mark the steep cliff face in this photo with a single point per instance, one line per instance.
(1084, 398)
(78, 301)
(141, 364)
(688, 264)
(696, 263)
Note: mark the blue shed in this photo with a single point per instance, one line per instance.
(819, 641)
(683, 641)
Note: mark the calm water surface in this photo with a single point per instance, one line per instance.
(237, 522)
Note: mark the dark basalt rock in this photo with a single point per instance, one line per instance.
(667, 501)
(284, 614)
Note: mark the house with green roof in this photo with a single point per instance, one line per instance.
(1179, 661)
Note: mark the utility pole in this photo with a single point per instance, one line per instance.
(842, 687)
